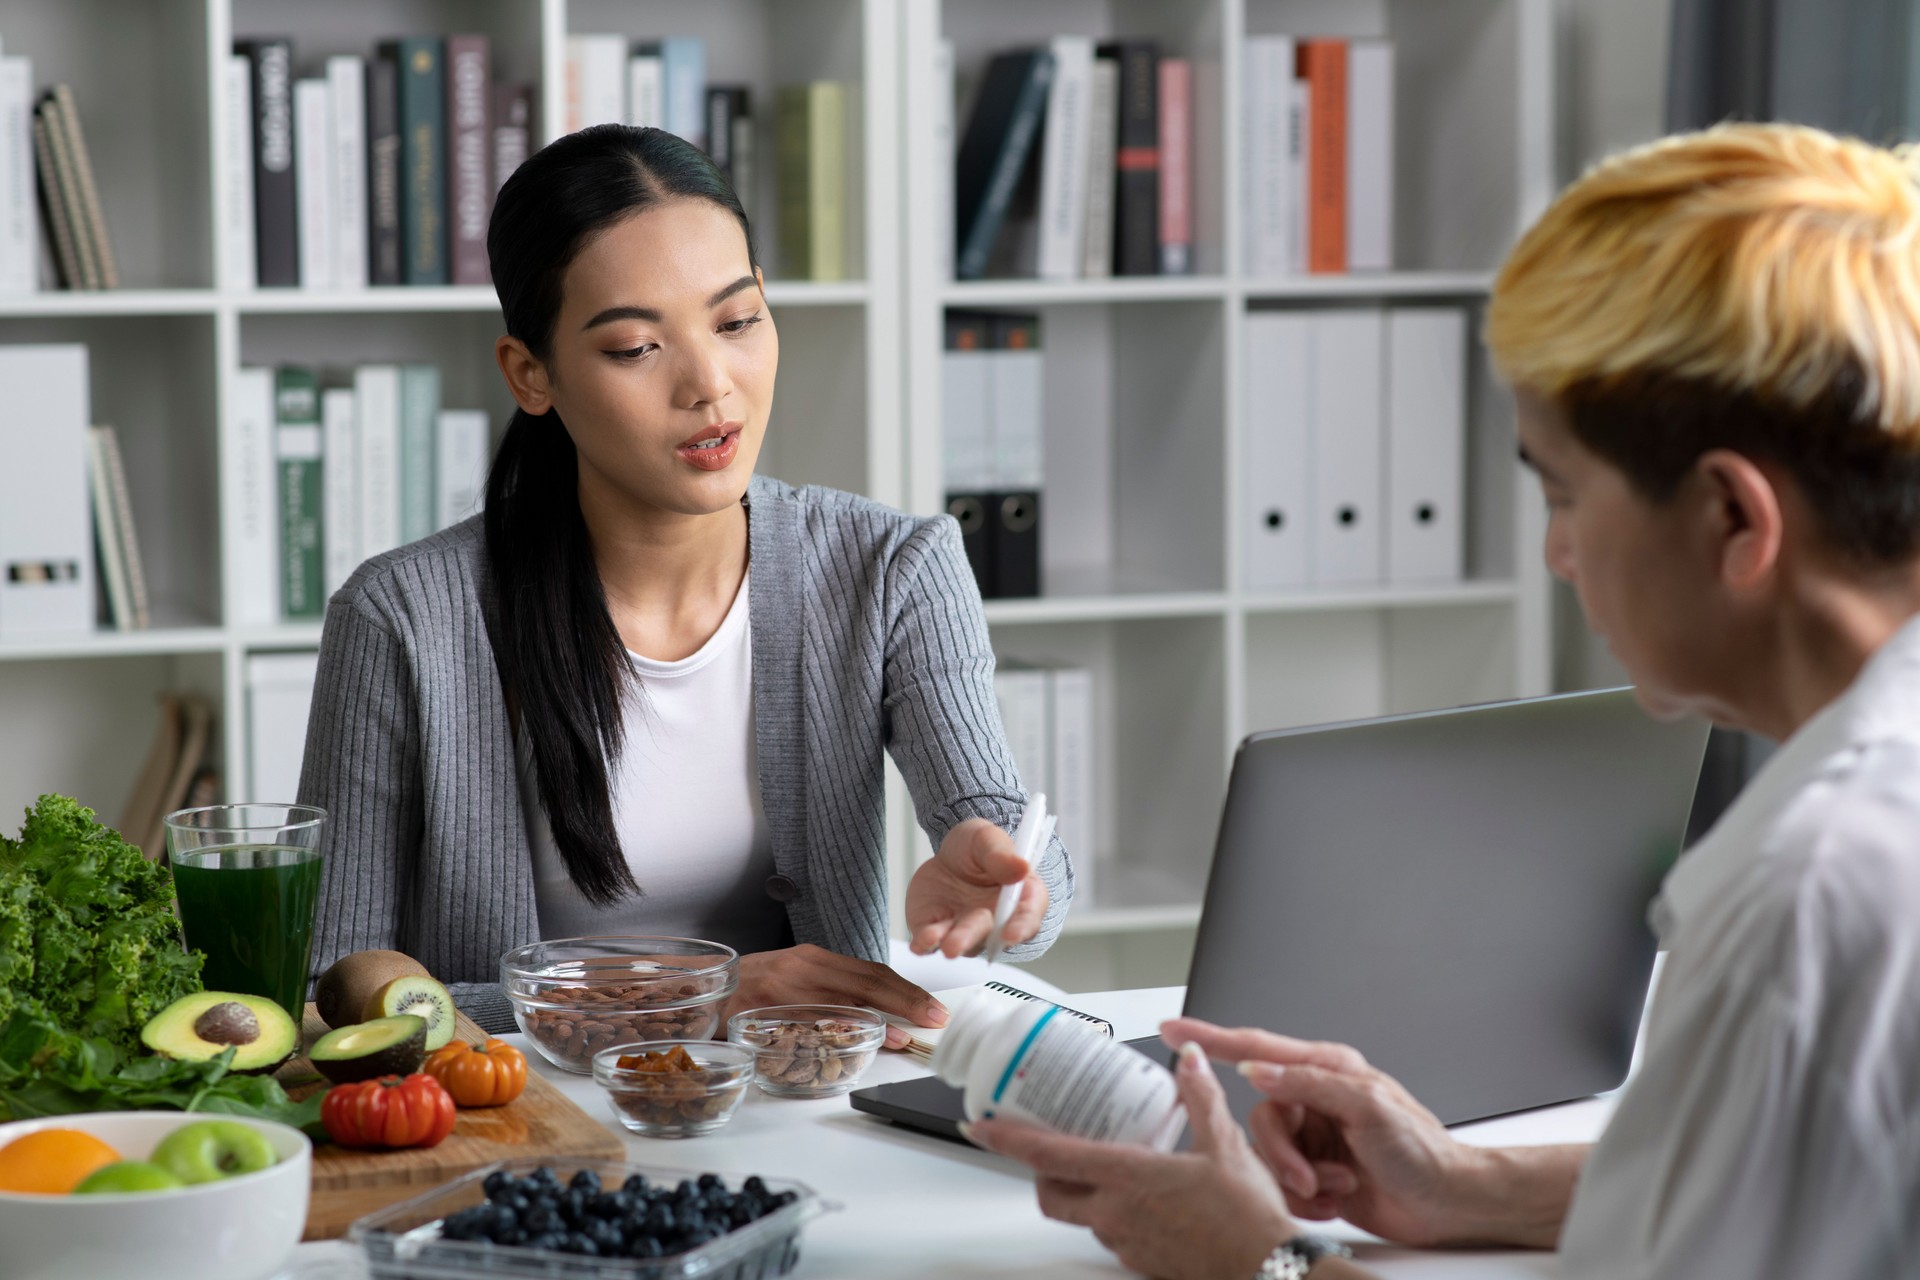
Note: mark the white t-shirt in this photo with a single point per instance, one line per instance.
(1773, 1127)
(686, 806)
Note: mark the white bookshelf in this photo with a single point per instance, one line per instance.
(1143, 382)
(1141, 565)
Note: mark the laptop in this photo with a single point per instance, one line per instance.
(1460, 894)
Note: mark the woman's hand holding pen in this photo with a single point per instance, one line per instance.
(951, 899)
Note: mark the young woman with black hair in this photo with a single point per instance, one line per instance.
(648, 691)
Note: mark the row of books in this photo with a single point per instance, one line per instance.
(992, 405)
(1317, 155)
(1047, 711)
(381, 171)
(1355, 447)
(1077, 162)
(663, 84)
(47, 179)
(330, 476)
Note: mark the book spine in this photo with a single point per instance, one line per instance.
(340, 485)
(1299, 127)
(469, 185)
(719, 129)
(794, 133)
(89, 192)
(1103, 106)
(297, 441)
(256, 537)
(239, 270)
(1136, 231)
(126, 529)
(944, 155)
(741, 153)
(1176, 166)
(512, 129)
(19, 232)
(980, 217)
(827, 181)
(73, 210)
(423, 159)
(460, 485)
(313, 179)
(276, 239)
(1370, 156)
(646, 89)
(1323, 65)
(53, 203)
(683, 62)
(1071, 797)
(377, 404)
(106, 535)
(419, 412)
(384, 264)
(1063, 160)
(347, 98)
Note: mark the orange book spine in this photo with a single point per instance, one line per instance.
(1323, 65)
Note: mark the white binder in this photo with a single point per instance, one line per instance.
(1274, 460)
(279, 698)
(1348, 545)
(1017, 410)
(966, 394)
(46, 516)
(1426, 442)
(1063, 160)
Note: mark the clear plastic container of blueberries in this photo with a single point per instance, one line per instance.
(405, 1242)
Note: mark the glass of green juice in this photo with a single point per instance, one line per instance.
(248, 876)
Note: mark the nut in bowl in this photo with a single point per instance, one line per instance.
(573, 997)
(674, 1088)
(808, 1050)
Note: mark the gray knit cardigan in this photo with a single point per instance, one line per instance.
(868, 636)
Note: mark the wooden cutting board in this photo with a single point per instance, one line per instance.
(348, 1183)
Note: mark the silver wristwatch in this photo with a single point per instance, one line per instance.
(1290, 1261)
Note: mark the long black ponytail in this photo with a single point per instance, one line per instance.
(562, 663)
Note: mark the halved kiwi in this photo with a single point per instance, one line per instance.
(395, 1046)
(420, 996)
(350, 981)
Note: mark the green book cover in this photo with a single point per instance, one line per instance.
(297, 443)
(812, 169)
(419, 412)
(423, 157)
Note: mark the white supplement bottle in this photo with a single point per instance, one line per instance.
(1037, 1063)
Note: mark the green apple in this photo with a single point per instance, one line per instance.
(127, 1175)
(208, 1150)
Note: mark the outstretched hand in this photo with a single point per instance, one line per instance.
(951, 898)
(1212, 1211)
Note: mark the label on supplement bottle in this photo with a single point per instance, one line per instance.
(1075, 1081)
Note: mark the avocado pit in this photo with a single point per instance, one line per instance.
(229, 1022)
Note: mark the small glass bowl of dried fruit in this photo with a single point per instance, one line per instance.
(674, 1088)
(808, 1050)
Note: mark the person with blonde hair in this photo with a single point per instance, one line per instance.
(1714, 344)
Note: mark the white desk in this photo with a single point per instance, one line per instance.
(934, 1210)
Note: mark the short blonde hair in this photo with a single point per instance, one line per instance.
(1750, 278)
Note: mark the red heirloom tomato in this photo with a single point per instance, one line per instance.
(389, 1112)
(479, 1075)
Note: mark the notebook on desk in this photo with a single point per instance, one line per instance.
(1461, 895)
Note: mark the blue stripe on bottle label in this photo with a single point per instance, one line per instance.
(1013, 1063)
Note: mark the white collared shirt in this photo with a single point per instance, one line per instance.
(1773, 1128)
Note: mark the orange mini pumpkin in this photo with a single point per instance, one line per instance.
(479, 1075)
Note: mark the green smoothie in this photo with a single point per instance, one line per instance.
(250, 908)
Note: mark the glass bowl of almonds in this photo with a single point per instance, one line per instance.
(573, 997)
(808, 1050)
(674, 1088)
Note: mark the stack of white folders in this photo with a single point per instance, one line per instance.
(925, 1039)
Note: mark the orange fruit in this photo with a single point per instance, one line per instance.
(52, 1161)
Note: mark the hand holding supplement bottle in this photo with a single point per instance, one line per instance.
(1036, 1064)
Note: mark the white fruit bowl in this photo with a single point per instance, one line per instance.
(239, 1228)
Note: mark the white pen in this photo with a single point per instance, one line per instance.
(1029, 838)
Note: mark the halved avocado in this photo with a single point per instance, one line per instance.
(206, 1023)
(394, 1046)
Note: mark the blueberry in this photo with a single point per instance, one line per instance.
(740, 1214)
(755, 1185)
(708, 1181)
(581, 1243)
(498, 1183)
(644, 1247)
(545, 1177)
(585, 1180)
(542, 1218)
(784, 1199)
(661, 1219)
(685, 1190)
(546, 1240)
(604, 1206)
